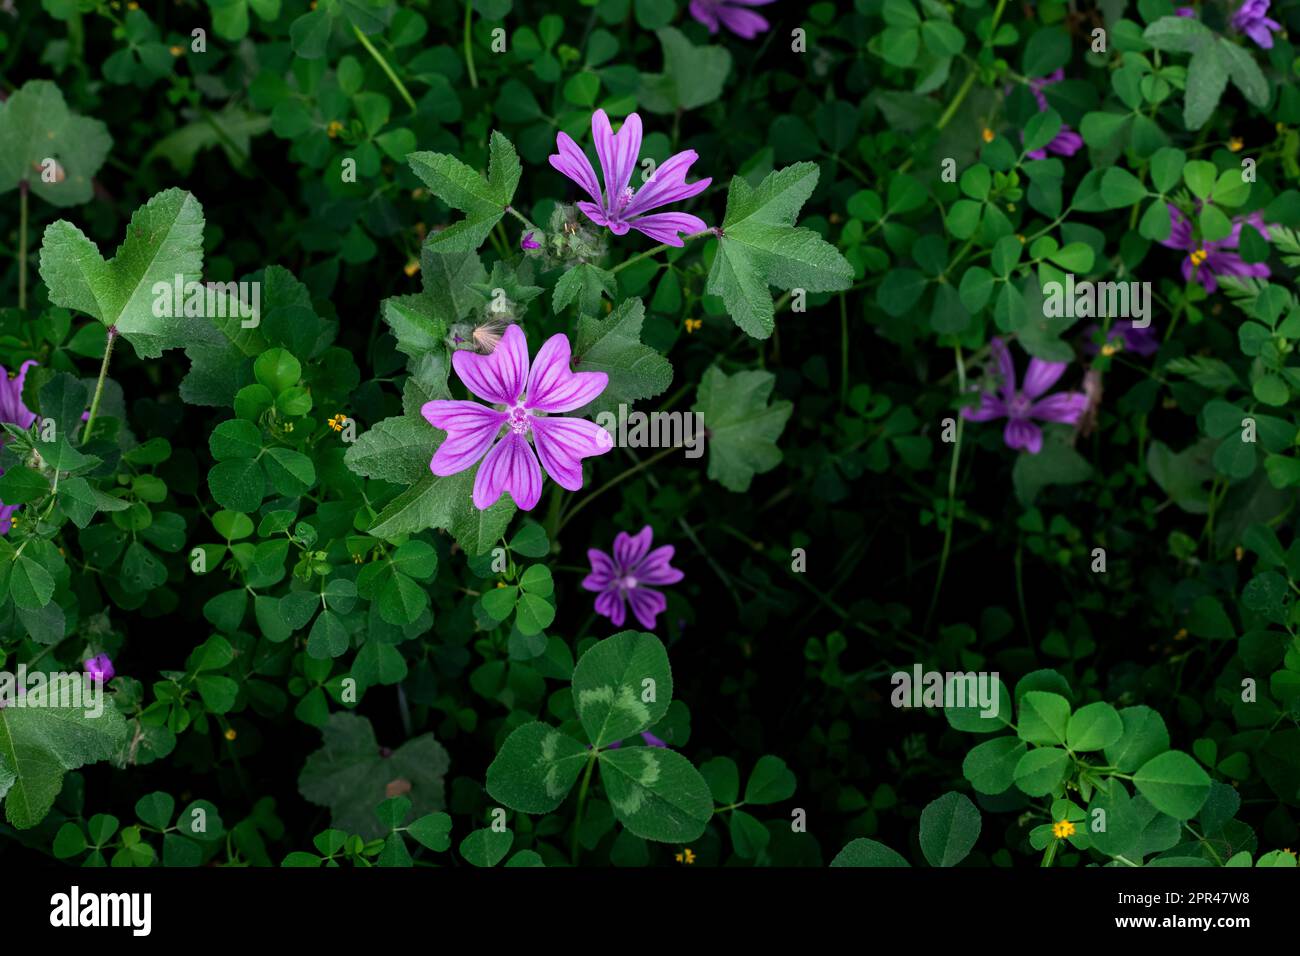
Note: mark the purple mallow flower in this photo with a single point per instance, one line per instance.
(1250, 19)
(621, 578)
(14, 412)
(1020, 406)
(524, 402)
(1066, 142)
(731, 14)
(528, 242)
(100, 668)
(1208, 260)
(620, 207)
(1185, 11)
(1141, 341)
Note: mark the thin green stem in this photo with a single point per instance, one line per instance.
(582, 802)
(949, 516)
(522, 218)
(626, 473)
(659, 248)
(469, 47)
(99, 385)
(22, 244)
(388, 70)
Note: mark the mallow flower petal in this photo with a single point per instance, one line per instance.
(572, 162)
(500, 376)
(668, 184)
(562, 443)
(1041, 376)
(603, 571)
(510, 466)
(629, 549)
(1064, 407)
(743, 23)
(610, 604)
(655, 569)
(646, 605)
(1021, 433)
(665, 226)
(553, 386)
(617, 153)
(471, 428)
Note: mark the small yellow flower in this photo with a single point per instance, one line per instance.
(1235, 144)
(133, 5)
(686, 856)
(337, 422)
(230, 733)
(989, 135)
(1198, 257)
(417, 193)
(1011, 207)
(412, 267)
(1108, 349)
(334, 129)
(176, 50)
(1181, 635)
(358, 558)
(1062, 829)
(288, 426)
(501, 584)
(1021, 238)
(1240, 552)
(693, 324)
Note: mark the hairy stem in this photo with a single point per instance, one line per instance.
(469, 48)
(388, 70)
(99, 385)
(657, 249)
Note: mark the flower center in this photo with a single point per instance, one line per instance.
(627, 583)
(519, 420)
(621, 201)
(1198, 257)
(1018, 407)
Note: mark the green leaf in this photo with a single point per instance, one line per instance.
(396, 449)
(1094, 727)
(656, 793)
(868, 853)
(1174, 783)
(535, 768)
(693, 75)
(38, 744)
(30, 585)
(482, 200)
(761, 247)
(486, 846)
(613, 346)
(1244, 71)
(742, 426)
(991, 766)
(1043, 718)
(1207, 76)
(350, 774)
(584, 284)
(445, 502)
(770, 782)
(432, 831)
(163, 240)
(36, 126)
(420, 322)
(950, 826)
(1042, 771)
(622, 686)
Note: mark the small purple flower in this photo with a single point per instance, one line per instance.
(1250, 19)
(525, 403)
(528, 242)
(100, 668)
(732, 15)
(14, 412)
(620, 207)
(1140, 341)
(1185, 11)
(1021, 406)
(1206, 261)
(1066, 142)
(622, 578)
(650, 741)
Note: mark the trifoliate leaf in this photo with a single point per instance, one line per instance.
(351, 775)
(742, 427)
(613, 346)
(656, 793)
(482, 200)
(36, 126)
(535, 768)
(39, 743)
(163, 241)
(761, 246)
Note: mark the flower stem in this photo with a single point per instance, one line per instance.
(383, 65)
(522, 218)
(99, 385)
(643, 463)
(659, 248)
(469, 49)
(582, 801)
(22, 244)
(952, 495)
